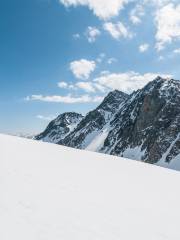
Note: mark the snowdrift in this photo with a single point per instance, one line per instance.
(50, 192)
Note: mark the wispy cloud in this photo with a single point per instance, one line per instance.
(117, 30)
(66, 85)
(69, 99)
(92, 33)
(86, 86)
(46, 118)
(137, 13)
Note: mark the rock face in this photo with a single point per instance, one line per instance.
(60, 127)
(93, 124)
(144, 126)
(147, 127)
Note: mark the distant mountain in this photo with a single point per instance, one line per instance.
(60, 127)
(23, 135)
(143, 126)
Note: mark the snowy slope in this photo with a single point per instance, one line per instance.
(50, 192)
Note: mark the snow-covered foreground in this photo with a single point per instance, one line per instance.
(50, 192)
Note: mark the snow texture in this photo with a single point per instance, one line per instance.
(51, 192)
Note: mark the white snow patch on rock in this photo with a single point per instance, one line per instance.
(135, 153)
(98, 141)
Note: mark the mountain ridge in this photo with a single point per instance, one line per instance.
(144, 125)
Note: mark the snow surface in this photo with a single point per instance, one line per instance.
(50, 192)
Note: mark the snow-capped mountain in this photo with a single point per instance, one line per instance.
(95, 124)
(142, 126)
(147, 127)
(60, 127)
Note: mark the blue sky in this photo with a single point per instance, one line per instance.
(58, 56)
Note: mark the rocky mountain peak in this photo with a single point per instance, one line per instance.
(112, 100)
(60, 127)
(116, 94)
(167, 87)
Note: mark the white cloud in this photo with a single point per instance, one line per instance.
(117, 30)
(82, 68)
(65, 99)
(144, 47)
(45, 118)
(104, 9)
(127, 81)
(135, 19)
(176, 51)
(65, 85)
(86, 86)
(92, 33)
(62, 85)
(168, 25)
